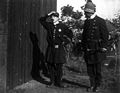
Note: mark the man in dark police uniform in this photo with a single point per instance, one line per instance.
(94, 42)
(57, 37)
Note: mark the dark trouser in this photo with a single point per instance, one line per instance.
(55, 71)
(94, 72)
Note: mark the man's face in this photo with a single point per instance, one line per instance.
(55, 19)
(88, 14)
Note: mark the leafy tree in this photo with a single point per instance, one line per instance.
(67, 10)
(116, 21)
(73, 20)
(116, 33)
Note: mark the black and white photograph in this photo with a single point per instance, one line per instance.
(59, 46)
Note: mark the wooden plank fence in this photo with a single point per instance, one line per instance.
(23, 17)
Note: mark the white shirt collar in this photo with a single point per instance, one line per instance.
(93, 16)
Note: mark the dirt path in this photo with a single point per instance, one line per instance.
(75, 82)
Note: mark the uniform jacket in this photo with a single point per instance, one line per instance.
(56, 35)
(94, 38)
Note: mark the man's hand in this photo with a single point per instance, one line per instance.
(56, 46)
(104, 49)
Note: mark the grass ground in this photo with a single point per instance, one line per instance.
(76, 82)
(76, 79)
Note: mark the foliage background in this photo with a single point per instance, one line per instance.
(75, 61)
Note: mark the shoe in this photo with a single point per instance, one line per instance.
(45, 78)
(96, 89)
(90, 89)
(51, 86)
(42, 80)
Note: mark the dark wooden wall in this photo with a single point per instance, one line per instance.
(23, 17)
(3, 44)
(3, 10)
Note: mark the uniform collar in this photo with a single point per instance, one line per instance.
(93, 16)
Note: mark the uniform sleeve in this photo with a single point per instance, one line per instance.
(43, 21)
(83, 40)
(68, 32)
(104, 34)
(84, 37)
(68, 35)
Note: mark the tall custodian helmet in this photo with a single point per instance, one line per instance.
(89, 7)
